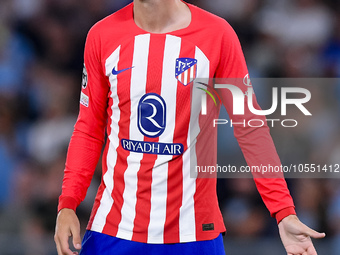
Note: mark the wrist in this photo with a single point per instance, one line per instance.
(280, 215)
(67, 203)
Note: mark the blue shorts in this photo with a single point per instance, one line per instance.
(100, 244)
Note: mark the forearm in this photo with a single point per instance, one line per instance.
(82, 157)
(258, 149)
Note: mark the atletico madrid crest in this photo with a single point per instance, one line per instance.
(186, 70)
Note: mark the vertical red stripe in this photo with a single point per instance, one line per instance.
(154, 85)
(102, 186)
(175, 174)
(101, 189)
(205, 196)
(123, 91)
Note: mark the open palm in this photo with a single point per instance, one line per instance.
(296, 236)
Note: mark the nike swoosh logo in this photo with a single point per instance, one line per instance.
(116, 72)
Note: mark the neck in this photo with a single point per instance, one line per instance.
(161, 16)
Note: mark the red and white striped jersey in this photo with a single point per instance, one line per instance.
(137, 87)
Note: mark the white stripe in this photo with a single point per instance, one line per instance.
(138, 88)
(159, 187)
(106, 201)
(187, 223)
(192, 72)
(185, 81)
(180, 77)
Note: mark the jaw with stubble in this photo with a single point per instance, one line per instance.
(161, 16)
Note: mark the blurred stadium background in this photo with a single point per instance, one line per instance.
(41, 60)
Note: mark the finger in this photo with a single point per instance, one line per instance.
(64, 247)
(58, 248)
(314, 234)
(75, 231)
(294, 253)
(311, 251)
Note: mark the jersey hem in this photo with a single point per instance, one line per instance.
(127, 235)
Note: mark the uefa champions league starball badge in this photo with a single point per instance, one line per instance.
(84, 78)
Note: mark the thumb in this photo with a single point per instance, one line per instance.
(314, 234)
(76, 238)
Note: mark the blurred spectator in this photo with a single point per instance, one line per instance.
(331, 54)
(49, 136)
(294, 23)
(243, 212)
(7, 148)
(15, 57)
(334, 218)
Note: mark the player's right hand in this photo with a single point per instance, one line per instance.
(67, 225)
